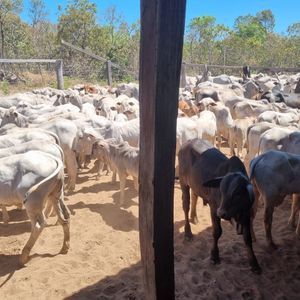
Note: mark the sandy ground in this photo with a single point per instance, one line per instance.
(104, 259)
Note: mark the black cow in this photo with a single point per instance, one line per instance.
(224, 185)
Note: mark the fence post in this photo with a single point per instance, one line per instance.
(183, 75)
(108, 70)
(246, 72)
(59, 74)
(297, 89)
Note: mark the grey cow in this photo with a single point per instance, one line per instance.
(223, 184)
(276, 174)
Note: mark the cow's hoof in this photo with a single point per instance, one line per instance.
(188, 237)
(24, 258)
(97, 177)
(273, 246)
(256, 269)
(291, 225)
(215, 260)
(64, 250)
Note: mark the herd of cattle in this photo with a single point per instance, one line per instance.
(47, 134)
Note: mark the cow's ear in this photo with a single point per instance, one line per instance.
(214, 183)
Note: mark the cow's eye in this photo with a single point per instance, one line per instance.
(119, 103)
(131, 103)
(113, 108)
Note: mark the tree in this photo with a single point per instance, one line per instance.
(294, 30)
(7, 7)
(266, 19)
(77, 22)
(37, 12)
(206, 32)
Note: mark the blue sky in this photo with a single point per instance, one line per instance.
(286, 11)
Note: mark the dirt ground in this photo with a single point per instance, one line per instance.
(104, 259)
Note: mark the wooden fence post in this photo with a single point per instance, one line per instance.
(297, 89)
(162, 29)
(183, 75)
(59, 74)
(108, 72)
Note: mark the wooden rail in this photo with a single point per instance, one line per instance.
(109, 64)
(270, 69)
(58, 67)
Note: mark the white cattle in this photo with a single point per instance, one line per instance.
(67, 133)
(129, 107)
(107, 108)
(128, 131)
(253, 136)
(279, 138)
(238, 135)
(250, 108)
(19, 136)
(282, 119)
(123, 158)
(224, 121)
(276, 174)
(206, 126)
(42, 178)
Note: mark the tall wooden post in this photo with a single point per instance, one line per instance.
(162, 30)
(183, 76)
(108, 70)
(59, 74)
(297, 89)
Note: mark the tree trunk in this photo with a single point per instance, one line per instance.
(2, 40)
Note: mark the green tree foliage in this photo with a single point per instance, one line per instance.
(37, 12)
(251, 41)
(7, 7)
(77, 22)
(266, 19)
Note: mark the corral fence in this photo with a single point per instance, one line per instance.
(58, 65)
(192, 69)
(108, 70)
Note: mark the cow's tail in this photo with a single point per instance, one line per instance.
(58, 169)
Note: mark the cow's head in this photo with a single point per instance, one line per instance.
(237, 195)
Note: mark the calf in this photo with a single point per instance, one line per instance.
(274, 175)
(122, 157)
(203, 169)
(32, 178)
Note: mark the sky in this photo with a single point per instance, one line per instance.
(286, 12)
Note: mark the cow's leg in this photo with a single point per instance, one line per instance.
(239, 146)
(5, 215)
(63, 215)
(294, 209)
(37, 224)
(136, 183)
(106, 168)
(219, 139)
(253, 212)
(186, 208)
(114, 177)
(194, 218)
(268, 217)
(99, 165)
(248, 241)
(231, 143)
(71, 164)
(87, 161)
(19, 206)
(122, 187)
(217, 232)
